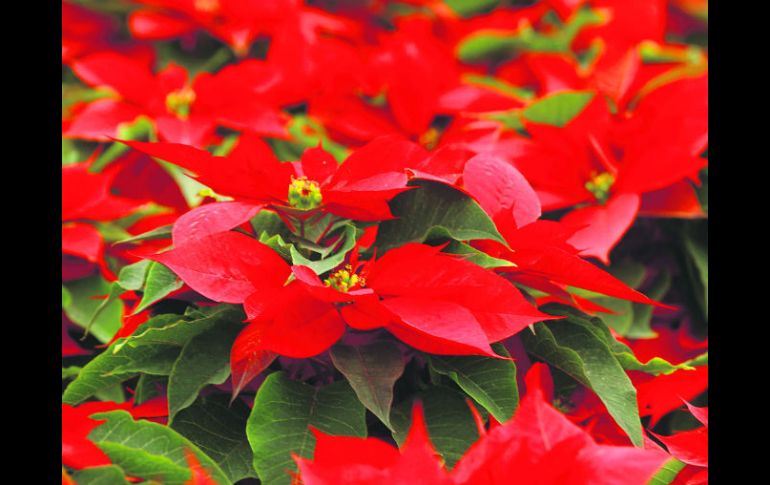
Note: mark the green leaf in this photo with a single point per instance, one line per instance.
(323, 265)
(667, 472)
(576, 346)
(224, 148)
(152, 349)
(283, 410)
(434, 211)
(162, 232)
(161, 281)
(132, 276)
(149, 450)
(499, 46)
(269, 223)
(309, 133)
(108, 369)
(149, 386)
(112, 231)
(141, 128)
(113, 393)
(640, 325)
(623, 319)
(372, 370)
(113, 295)
(467, 8)
(499, 85)
(177, 330)
(74, 151)
(558, 109)
(475, 256)
(66, 297)
(83, 307)
(218, 428)
(449, 420)
(700, 360)
(278, 244)
(77, 93)
(696, 249)
(100, 475)
(621, 351)
(205, 359)
(509, 119)
(70, 372)
(490, 382)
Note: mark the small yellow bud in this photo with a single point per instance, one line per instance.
(304, 194)
(600, 185)
(178, 102)
(344, 280)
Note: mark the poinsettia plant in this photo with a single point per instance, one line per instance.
(435, 242)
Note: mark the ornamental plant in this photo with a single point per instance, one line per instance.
(362, 242)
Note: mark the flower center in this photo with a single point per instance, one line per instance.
(429, 138)
(304, 194)
(207, 6)
(178, 102)
(345, 279)
(600, 185)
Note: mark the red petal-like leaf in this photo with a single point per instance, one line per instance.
(211, 219)
(502, 191)
(248, 358)
(226, 267)
(437, 327)
(602, 225)
(82, 240)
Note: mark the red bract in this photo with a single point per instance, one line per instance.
(182, 110)
(127, 185)
(433, 301)
(85, 31)
(691, 447)
(659, 395)
(620, 168)
(411, 70)
(87, 197)
(625, 25)
(77, 450)
(342, 460)
(543, 257)
(235, 22)
(358, 189)
(538, 446)
(541, 446)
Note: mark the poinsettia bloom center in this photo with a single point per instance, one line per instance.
(304, 194)
(178, 102)
(345, 280)
(600, 185)
(429, 138)
(207, 6)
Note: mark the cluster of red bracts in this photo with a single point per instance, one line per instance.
(387, 103)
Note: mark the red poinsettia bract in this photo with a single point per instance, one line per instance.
(357, 189)
(613, 170)
(433, 301)
(540, 250)
(538, 446)
(182, 110)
